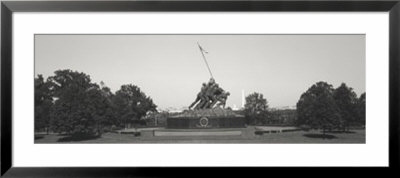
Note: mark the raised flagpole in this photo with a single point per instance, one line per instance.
(205, 60)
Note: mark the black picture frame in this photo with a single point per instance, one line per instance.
(8, 7)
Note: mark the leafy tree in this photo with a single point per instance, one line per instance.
(132, 104)
(43, 104)
(346, 100)
(104, 112)
(108, 116)
(80, 105)
(360, 109)
(255, 109)
(317, 108)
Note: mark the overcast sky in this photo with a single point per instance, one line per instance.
(170, 68)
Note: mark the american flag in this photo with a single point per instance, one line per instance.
(201, 49)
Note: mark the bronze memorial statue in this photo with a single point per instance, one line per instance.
(208, 109)
(209, 95)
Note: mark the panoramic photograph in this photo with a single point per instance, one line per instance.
(200, 88)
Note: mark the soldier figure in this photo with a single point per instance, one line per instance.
(200, 96)
(216, 94)
(205, 95)
(209, 95)
(222, 99)
(211, 81)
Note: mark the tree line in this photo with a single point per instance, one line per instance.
(327, 108)
(320, 107)
(70, 103)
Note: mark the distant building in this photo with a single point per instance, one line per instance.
(156, 119)
(235, 108)
(282, 117)
(172, 109)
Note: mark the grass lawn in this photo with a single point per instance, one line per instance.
(355, 136)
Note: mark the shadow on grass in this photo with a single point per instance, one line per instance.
(347, 132)
(76, 138)
(321, 136)
(37, 137)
